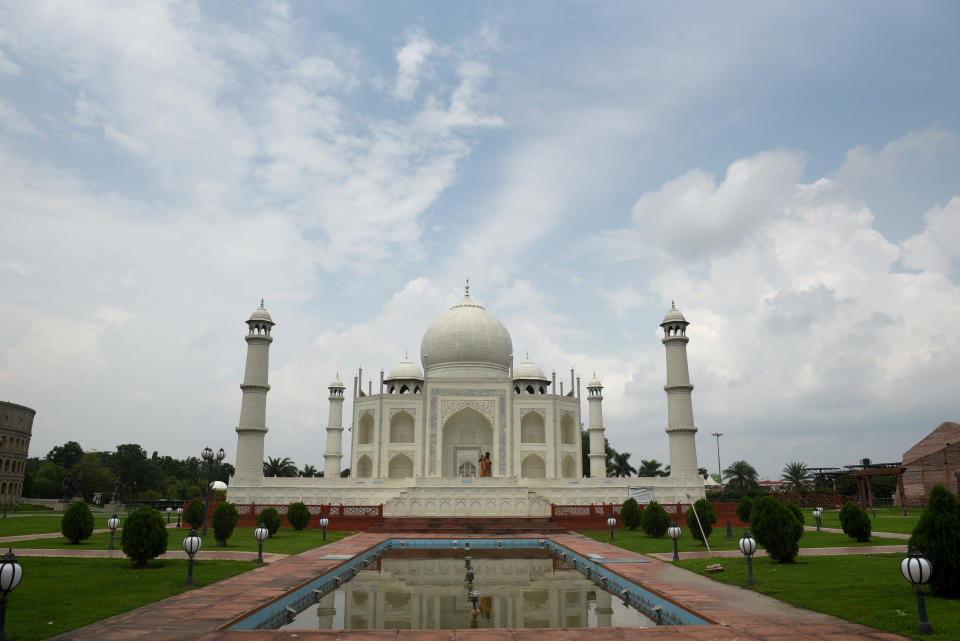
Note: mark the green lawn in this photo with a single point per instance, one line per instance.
(889, 519)
(867, 589)
(42, 524)
(637, 541)
(57, 595)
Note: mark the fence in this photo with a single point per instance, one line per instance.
(594, 517)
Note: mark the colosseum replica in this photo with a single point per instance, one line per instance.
(16, 425)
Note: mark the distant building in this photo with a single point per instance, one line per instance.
(16, 425)
(932, 461)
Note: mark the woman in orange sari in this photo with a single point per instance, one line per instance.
(486, 465)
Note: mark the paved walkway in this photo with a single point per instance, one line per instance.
(883, 535)
(740, 615)
(58, 535)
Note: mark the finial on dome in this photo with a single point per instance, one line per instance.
(527, 356)
(673, 304)
(468, 287)
(261, 304)
(405, 356)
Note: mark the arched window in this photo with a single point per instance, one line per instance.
(532, 428)
(365, 430)
(516, 389)
(529, 389)
(568, 469)
(364, 467)
(404, 389)
(401, 467)
(533, 467)
(467, 469)
(401, 428)
(568, 431)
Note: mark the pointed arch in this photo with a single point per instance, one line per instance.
(364, 467)
(533, 467)
(568, 431)
(533, 429)
(401, 467)
(568, 468)
(401, 428)
(365, 429)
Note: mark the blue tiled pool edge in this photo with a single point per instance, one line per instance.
(275, 613)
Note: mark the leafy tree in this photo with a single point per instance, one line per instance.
(797, 513)
(741, 474)
(308, 471)
(345, 473)
(47, 480)
(621, 465)
(795, 475)
(655, 520)
(630, 513)
(855, 522)
(225, 518)
(702, 471)
(299, 515)
(704, 509)
(270, 518)
(77, 523)
(650, 468)
(776, 528)
(279, 467)
(66, 455)
(743, 509)
(96, 478)
(937, 535)
(194, 513)
(144, 535)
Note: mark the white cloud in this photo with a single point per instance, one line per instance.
(7, 65)
(12, 120)
(937, 247)
(412, 63)
(863, 165)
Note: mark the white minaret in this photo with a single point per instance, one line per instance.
(333, 455)
(680, 428)
(598, 453)
(253, 406)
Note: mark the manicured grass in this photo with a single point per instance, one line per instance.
(889, 519)
(57, 595)
(637, 541)
(43, 524)
(867, 589)
(27, 508)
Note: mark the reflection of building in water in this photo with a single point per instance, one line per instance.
(430, 594)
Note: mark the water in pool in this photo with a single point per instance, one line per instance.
(432, 589)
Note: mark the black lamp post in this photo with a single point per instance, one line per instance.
(674, 533)
(10, 574)
(612, 522)
(324, 522)
(748, 545)
(179, 514)
(261, 533)
(113, 523)
(917, 569)
(169, 510)
(191, 545)
(210, 458)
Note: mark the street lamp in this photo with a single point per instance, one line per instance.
(917, 570)
(748, 545)
(261, 533)
(191, 545)
(179, 514)
(169, 510)
(612, 522)
(324, 522)
(210, 459)
(10, 574)
(113, 523)
(674, 533)
(719, 473)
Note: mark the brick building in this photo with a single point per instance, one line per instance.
(932, 461)
(16, 425)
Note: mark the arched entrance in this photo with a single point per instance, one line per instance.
(401, 467)
(466, 436)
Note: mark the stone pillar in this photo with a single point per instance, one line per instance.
(598, 453)
(253, 405)
(680, 427)
(334, 454)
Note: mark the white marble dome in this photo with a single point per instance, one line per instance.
(673, 315)
(261, 314)
(528, 370)
(466, 340)
(405, 370)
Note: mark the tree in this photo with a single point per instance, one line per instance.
(279, 467)
(855, 522)
(77, 523)
(655, 520)
(144, 535)
(650, 468)
(777, 528)
(743, 509)
(704, 510)
(299, 515)
(610, 455)
(225, 518)
(194, 514)
(741, 474)
(630, 513)
(795, 475)
(345, 473)
(937, 535)
(270, 518)
(702, 471)
(66, 455)
(96, 478)
(621, 465)
(308, 471)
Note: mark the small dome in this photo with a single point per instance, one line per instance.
(261, 314)
(673, 315)
(466, 340)
(528, 370)
(405, 370)
(336, 383)
(594, 382)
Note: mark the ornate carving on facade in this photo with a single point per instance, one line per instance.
(409, 410)
(409, 453)
(494, 410)
(524, 453)
(539, 410)
(485, 407)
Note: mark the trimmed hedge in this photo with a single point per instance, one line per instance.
(270, 519)
(744, 507)
(630, 513)
(299, 515)
(77, 522)
(937, 535)
(194, 513)
(708, 517)
(144, 535)
(654, 520)
(777, 528)
(855, 522)
(225, 518)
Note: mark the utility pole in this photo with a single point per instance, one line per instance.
(719, 469)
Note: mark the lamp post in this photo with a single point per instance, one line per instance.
(674, 533)
(191, 545)
(748, 545)
(113, 523)
(719, 472)
(10, 574)
(179, 515)
(324, 522)
(612, 522)
(917, 570)
(261, 533)
(169, 510)
(210, 459)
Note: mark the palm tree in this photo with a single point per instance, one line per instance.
(621, 465)
(702, 471)
(796, 474)
(308, 471)
(650, 468)
(279, 467)
(740, 474)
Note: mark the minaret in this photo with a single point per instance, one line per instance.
(598, 453)
(680, 427)
(253, 406)
(331, 459)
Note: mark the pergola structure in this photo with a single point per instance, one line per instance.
(866, 470)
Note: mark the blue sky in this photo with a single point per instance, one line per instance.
(788, 173)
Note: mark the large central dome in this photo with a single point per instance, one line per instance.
(466, 340)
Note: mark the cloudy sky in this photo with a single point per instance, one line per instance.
(788, 172)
